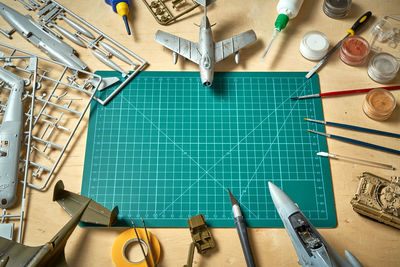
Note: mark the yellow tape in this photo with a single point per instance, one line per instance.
(129, 236)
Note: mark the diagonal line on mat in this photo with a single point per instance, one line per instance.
(255, 128)
(266, 153)
(174, 143)
(227, 153)
(206, 172)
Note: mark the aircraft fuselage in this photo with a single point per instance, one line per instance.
(10, 139)
(206, 49)
(47, 42)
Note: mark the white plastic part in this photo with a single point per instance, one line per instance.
(314, 45)
(289, 7)
(326, 154)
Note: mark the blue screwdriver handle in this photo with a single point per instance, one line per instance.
(362, 129)
(114, 3)
(361, 143)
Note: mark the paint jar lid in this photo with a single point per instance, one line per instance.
(383, 67)
(354, 50)
(379, 104)
(336, 8)
(314, 45)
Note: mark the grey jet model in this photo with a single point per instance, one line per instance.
(310, 246)
(205, 52)
(10, 138)
(41, 37)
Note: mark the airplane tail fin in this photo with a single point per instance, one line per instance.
(94, 213)
(204, 2)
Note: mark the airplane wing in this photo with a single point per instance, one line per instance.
(229, 46)
(179, 45)
(95, 213)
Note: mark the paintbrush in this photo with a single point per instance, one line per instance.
(355, 128)
(358, 142)
(355, 160)
(346, 92)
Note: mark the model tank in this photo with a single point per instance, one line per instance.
(378, 199)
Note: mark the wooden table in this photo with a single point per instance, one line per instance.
(373, 243)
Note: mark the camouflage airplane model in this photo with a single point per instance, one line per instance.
(206, 52)
(52, 253)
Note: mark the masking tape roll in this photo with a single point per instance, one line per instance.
(128, 237)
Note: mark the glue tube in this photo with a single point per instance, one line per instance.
(287, 9)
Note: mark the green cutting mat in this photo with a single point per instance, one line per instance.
(166, 148)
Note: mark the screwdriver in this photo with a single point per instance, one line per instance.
(350, 32)
(121, 7)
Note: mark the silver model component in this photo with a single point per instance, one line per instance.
(68, 35)
(52, 14)
(310, 246)
(55, 100)
(10, 138)
(108, 62)
(50, 11)
(117, 53)
(76, 26)
(35, 33)
(205, 52)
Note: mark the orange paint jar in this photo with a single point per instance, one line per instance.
(379, 104)
(354, 50)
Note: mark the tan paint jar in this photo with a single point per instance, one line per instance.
(379, 104)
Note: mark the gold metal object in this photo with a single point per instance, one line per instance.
(164, 15)
(378, 199)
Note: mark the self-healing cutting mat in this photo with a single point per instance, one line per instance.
(166, 148)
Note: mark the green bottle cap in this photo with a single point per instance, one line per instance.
(281, 22)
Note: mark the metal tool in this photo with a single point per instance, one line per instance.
(355, 160)
(121, 7)
(350, 32)
(358, 142)
(242, 231)
(140, 243)
(148, 242)
(346, 92)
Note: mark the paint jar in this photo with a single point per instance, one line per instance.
(314, 45)
(354, 50)
(379, 104)
(383, 67)
(336, 9)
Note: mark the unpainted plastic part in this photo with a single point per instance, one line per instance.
(378, 199)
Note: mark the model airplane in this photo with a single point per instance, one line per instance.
(41, 37)
(52, 253)
(38, 117)
(10, 138)
(206, 52)
(310, 246)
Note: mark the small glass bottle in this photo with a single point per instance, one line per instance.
(354, 50)
(383, 67)
(336, 9)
